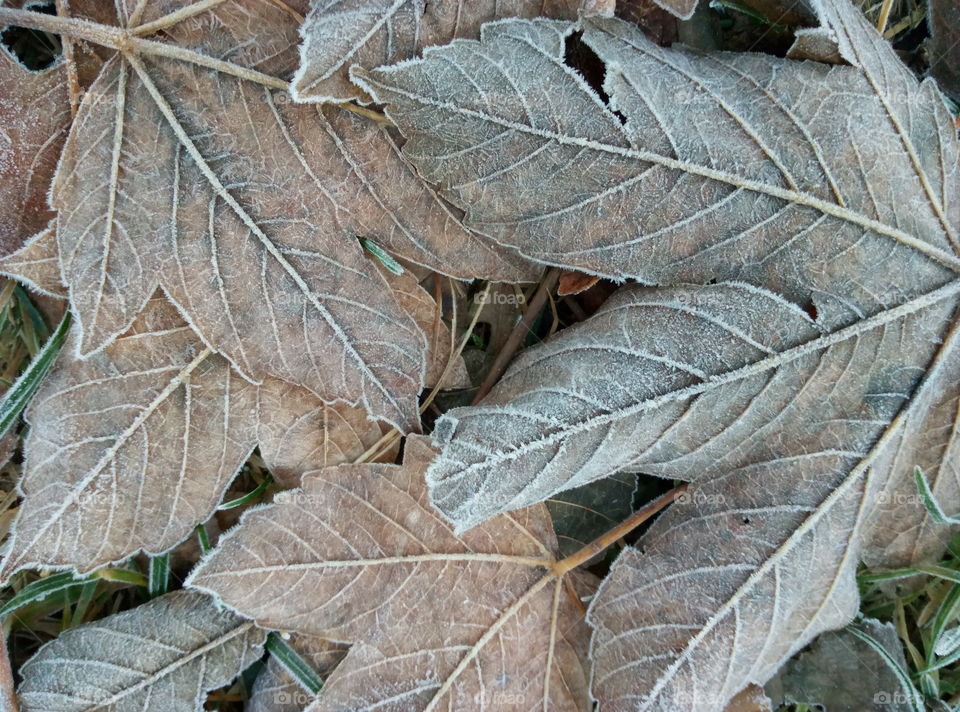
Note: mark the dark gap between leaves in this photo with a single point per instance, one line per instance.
(34, 50)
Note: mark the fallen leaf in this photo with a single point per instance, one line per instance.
(779, 417)
(163, 656)
(197, 179)
(771, 184)
(275, 690)
(129, 449)
(435, 620)
(139, 442)
(34, 120)
(573, 282)
(339, 34)
(842, 672)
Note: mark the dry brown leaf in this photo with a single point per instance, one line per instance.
(137, 474)
(197, 180)
(163, 656)
(276, 691)
(573, 282)
(435, 620)
(338, 34)
(784, 421)
(129, 449)
(37, 263)
(34, 120)
(774, 184)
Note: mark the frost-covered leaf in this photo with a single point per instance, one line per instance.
(275, 690)
(683, 382)
(773, 183)
(133, 447)
(34, 120)
(245, 209)
(130, 448)
(37, 263)
(842, 672)
(476, 621)
(338, 34)
(163, 656)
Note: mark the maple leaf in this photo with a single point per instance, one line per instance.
(480, 620)
(787, 423)
(340, 33)
(163, 656)
(195, 192)
(34, 120)
(772, 186)
(141, 472)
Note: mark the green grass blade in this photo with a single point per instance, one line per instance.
(158, 580)
(250, 496)
(293, 663)
(16, 399)
(930, 500)
(122, 576)
(204, 539)
(40, 589)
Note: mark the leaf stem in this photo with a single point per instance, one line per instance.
(123, 41)
(172, 18)
(602, 542)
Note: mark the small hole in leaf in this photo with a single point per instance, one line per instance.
(578, 55)
(35, 50)
(745, 520)
(811, 309)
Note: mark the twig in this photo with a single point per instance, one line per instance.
(173, 18)
(602, 542)
(518, 334)
(73, 83)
